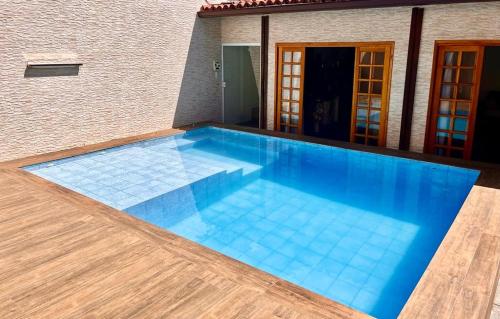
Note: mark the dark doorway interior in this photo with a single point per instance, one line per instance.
(486, 145)
(328, 81)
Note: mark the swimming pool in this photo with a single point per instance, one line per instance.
(356, 227)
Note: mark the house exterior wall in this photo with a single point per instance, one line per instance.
(147, 66)
(370, 25)
(240, 29)
(468, 21)
(441, 22)
(366, 25)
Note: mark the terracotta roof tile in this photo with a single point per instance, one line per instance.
(240, 4)
(236, 7)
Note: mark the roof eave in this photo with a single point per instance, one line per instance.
(337, 5)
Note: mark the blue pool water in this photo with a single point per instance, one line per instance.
(356, 227)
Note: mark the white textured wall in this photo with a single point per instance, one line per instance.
(472, 21)
(240, 29)
(147, 65)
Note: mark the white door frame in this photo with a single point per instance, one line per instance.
(222, 73)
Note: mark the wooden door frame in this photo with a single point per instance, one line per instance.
(355, 45)
(384, 96)
(437, 44)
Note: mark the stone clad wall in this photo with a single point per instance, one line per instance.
(146, 66)
(468, 21)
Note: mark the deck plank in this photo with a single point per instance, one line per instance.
(473, 299)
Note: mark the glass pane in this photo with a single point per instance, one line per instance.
(450, 58)
(442, 138)
(458, 140)
(287, 57)
(360, 127)
(372, 141)
(286, 69)
(285, 95)
(468, 58)
(365, 58)
(296, 69)
(376, 87)
(364, 72)
(297, 56)
(374, 116)
(378, 73)
(445, 107)
(295, 95)
(443, 123)
(464, 92)
(359, 139)
(379, 58)
(447, 91)
(363, 100)
(284, 118)
(466, 75)
(462, 108)
(373, 129)
(285, 106)
(295, 107)
(363, 86)
(362, 114)
(294, 119)
(296, 83)
(293, 130)
(285, 82)
(460, 124)
(457, 153)
(449, 75)
(440, 151)
(284, 128)
(376, 102)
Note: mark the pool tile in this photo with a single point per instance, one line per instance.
(365, 301)
(318, 281)
(271, 240)
(296, 271)
(341, 254)
(277, 261)
(342, 291)
(309, 257)
(372, 251)
(353, 276)
(363, 263)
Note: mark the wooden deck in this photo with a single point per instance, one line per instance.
(63, 255)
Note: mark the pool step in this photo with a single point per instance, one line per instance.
(184, 201)
(178, 144)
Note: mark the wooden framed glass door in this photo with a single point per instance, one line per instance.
(371, 94)
(454, 100)
(372, 72)
(290, 89)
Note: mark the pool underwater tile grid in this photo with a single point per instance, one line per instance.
(358, 228)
